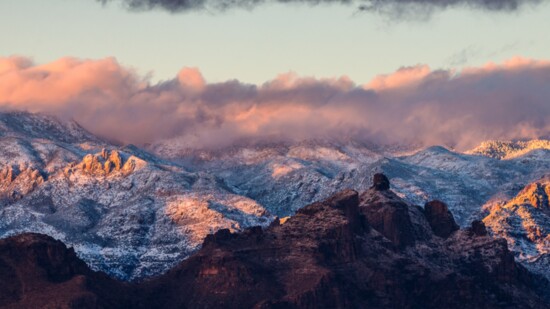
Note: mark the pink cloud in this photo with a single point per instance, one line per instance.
(191, 79)
(407, 76)
(414, 104)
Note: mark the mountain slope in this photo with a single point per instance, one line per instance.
(135, 213)
(330, 254)
(524, 222)
(125, 211)
(284, 178)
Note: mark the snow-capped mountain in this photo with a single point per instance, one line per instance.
(135, 212)
(123, 210)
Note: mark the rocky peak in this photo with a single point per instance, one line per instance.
(535, 194)
(387, 213)
(18, 181)
(7, 175)
(348, 202)
(439, 217)
(105, 163)
(380, 182)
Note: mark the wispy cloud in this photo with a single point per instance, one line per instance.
(414, 104)
(394, 7)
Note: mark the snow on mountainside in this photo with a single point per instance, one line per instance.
(284, 178)
(524, 222)
(509, 150)
(125, 211)
(134, 212)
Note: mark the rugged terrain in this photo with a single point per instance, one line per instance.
(135, 212)
(368, 250)
(124, 210)
(524, 222)
(285, 177)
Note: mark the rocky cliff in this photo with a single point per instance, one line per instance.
(524, 221)
(368, 250)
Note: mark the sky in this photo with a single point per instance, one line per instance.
(256, 45)
(449, 72)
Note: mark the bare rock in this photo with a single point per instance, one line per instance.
(7, 175)
(116, 160)
(387, 213)
(380, 182)
(440, 218)
(478, 228)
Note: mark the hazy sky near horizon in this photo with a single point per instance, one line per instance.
(256, 45)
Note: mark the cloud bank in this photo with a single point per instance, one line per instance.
(412, 105)
(400, 7)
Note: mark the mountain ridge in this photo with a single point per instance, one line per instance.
(163, 208)
(332, 253)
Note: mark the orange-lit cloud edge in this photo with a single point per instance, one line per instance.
(510, 100)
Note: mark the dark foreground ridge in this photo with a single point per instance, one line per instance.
(350, 251)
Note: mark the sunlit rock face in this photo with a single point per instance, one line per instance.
(524, 222)
(509, 150)
(328, 255)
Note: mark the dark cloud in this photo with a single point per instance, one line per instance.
(211, 5)
(401, 7)
(491, 5)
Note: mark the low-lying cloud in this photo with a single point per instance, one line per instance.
(413, 105)
(401, 7)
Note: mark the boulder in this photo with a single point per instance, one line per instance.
(440, 218)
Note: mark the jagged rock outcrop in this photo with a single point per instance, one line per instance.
(105, 163)
(37, 271)
(440, 218)
(18, 181)
(328, 255)
(387, 213)
(7, 175)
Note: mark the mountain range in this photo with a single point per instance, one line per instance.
(137, 211)
(368, 250)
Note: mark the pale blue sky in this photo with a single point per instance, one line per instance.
(255, 46)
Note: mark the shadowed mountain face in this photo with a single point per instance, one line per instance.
(37, 271)
(371, 250)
